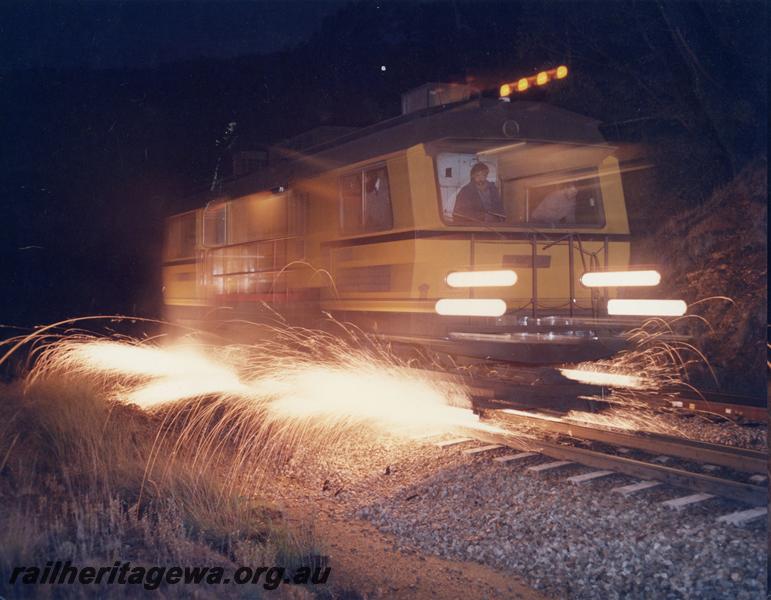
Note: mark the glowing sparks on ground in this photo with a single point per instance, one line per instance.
(147, 375)
(658, 363)
(629, 420)
(389, 399)
(604, 378)
(354, 388)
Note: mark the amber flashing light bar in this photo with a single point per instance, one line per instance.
(525, 83)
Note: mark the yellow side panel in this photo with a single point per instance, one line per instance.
(425, 198)
(389, 306)
(401, 197)
(323, 211)
(381, 270)
(180, 285)
(620, 255)
(435, 259)
(418, 288)
(517, 256)
(613, 197)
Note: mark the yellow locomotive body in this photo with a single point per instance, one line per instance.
(364, 228)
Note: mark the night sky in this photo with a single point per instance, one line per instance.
(111, 110)
(111, 34)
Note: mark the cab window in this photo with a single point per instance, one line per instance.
(365, 200)
(462, 204)
(518, 183)
(556, 199)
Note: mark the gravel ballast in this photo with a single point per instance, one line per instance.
(565, 540)
(576, 541)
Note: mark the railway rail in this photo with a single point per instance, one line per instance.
(737, 459)
(505, 400)
(649, 477)
(545, 388)
(729, 406)
(701, 486)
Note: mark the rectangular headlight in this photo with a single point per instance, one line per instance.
(646, 308)
(470, 307)
(621, 278)
(502, 278)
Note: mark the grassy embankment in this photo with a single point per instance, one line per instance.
(92, 480)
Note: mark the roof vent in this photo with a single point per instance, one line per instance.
(435, 94)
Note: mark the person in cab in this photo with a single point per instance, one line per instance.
(479, 200)
(558, 207)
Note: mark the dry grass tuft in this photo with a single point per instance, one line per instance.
(88, 479)
(116, 449)
(243, 410)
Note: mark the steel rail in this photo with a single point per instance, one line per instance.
(712, 404)
(755, 413)
(532, 391)
(754, 495)
(738, 459)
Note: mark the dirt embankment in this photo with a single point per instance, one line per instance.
(719, 249)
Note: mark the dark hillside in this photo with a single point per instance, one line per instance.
(720, 249)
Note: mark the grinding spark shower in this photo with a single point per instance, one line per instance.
(330, 387)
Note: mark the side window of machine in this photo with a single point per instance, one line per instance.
(181, 236)
(365, 201)
(569, 199)
(377, 200)
(589, 210)
(350, 203)
(215, 225)
(188, 235)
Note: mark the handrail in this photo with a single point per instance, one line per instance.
(269, 239)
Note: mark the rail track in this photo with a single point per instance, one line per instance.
(742, 472)
(532, 388)
(730, 406)
(736, 459)
(704, 469)
(498, 394)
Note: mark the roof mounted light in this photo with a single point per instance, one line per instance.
(621, 278)
(501, 278)
(525, 83)
(646, 308)
(470, 307)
